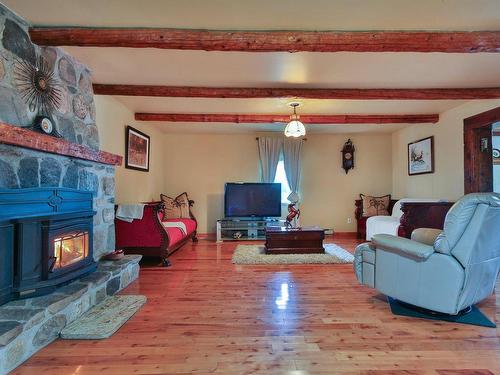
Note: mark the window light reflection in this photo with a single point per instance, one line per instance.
(282, 300)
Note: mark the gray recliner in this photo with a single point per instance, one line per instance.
(444, 271)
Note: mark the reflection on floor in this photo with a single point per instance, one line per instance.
(207, 316)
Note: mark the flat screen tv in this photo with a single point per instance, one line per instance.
(252, 200)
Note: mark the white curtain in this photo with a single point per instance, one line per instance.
(292, 151)
(269, 153)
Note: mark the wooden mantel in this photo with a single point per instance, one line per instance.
(16, 136)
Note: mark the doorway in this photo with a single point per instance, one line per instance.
(479, 153)
(496, 156)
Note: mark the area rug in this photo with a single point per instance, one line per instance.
(104, 319)
(473, 317)
(255, 254)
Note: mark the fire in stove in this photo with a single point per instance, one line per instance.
(69, 249)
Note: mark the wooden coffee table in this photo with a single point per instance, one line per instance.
(306, 240)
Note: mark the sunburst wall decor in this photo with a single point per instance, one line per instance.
(38, 85)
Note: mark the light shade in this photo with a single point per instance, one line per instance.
(295, 128)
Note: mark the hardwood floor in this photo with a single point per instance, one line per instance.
(207, 316)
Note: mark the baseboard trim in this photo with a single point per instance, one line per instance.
(206, 236)
(344, 235)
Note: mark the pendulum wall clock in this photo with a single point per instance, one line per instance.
(348, 156)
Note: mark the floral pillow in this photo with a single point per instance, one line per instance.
(375, 206)
(176, 208)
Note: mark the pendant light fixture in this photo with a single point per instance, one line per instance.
(295, 128)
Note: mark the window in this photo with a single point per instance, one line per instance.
(281, 178)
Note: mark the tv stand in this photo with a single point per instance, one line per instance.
(244, 229)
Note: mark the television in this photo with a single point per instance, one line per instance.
(252, 200)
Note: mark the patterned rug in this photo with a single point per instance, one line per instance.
(104, 319)
(254, 254)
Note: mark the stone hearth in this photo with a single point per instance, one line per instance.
(28, 325)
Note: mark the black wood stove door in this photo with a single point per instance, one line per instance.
(6, 261)
(28, 255)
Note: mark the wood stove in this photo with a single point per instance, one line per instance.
(46, 237)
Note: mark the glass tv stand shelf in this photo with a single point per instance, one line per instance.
(244, 229)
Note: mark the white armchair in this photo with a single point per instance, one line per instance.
(390, 224)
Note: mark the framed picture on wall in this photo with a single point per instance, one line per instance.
(421, 156)
(136, 150)
(496, 156)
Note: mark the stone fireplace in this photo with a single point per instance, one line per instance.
(29, 159)
(57, 196)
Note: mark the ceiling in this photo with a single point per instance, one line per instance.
(305, 69)
(283, 69)
(266, 14)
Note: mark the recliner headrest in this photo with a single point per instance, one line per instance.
(459, 216)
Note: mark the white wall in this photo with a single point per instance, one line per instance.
(131, 185)
(328, 193)
(448, 179)
(201, 164)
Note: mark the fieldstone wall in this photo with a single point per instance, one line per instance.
(74, 116)
(28, 325)
(74, 119)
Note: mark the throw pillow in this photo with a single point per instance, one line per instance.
(172, 209)
(375, 206)
(177, 207)
(183, 201)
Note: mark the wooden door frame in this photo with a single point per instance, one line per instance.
(481, 120)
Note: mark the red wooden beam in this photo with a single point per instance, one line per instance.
(260, 92)
(16, 136)
(308, 119)
(271, 41)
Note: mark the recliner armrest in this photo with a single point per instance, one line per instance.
(402, 246)
(426, 236)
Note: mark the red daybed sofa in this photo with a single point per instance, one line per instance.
(149, 237)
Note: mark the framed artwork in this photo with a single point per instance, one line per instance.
(421, 156)
(136, 150)
(496, 156)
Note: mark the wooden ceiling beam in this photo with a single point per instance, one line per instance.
(258, 92)
(307, 119)
(271, 41)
